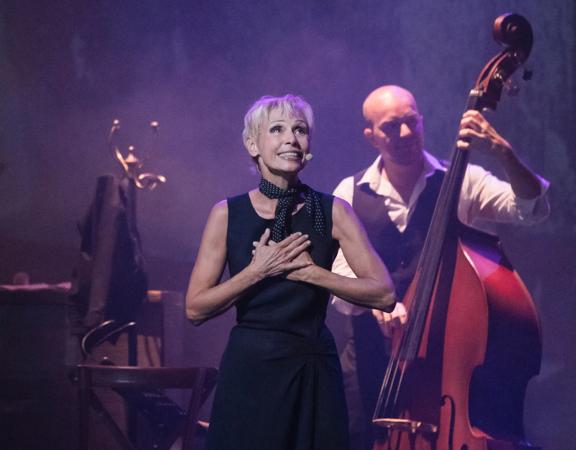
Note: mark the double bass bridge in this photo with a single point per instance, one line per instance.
(406, 425)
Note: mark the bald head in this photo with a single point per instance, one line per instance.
(381, 100)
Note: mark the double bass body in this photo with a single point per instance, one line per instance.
(480, 347)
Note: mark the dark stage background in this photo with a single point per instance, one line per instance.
(68, 68)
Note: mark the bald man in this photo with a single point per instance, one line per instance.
(395, 198)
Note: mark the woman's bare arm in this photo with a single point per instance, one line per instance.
(205, 297)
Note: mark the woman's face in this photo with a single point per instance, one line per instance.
(282, 144)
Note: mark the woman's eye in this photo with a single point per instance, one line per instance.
(301, 130)
(276, 129)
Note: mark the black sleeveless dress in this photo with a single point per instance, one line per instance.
(280, 382)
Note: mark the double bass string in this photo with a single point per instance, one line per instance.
(426, 271)
(396, 368)
(390, 387)
(432, 252)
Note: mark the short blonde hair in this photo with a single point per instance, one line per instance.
(290, 105)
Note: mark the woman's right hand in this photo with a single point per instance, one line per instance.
(391, 321)
(275, 258)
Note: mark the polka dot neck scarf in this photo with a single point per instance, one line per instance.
(287, 200)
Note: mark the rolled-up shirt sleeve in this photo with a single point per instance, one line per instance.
(535, 210)
(487, 199)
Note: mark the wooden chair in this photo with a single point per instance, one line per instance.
(126, 379)
(142, 389)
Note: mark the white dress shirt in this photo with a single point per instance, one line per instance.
(484, 199)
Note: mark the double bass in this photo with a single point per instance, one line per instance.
(459, 369)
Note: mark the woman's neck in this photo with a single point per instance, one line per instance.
(281, 181)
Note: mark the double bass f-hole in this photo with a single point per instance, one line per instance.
(450, 365)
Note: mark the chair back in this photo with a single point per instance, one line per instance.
(131, 379)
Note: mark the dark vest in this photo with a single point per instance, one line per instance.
(398, 250)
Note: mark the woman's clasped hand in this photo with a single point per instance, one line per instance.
(271, 258)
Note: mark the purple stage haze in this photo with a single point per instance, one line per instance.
(68, 68)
